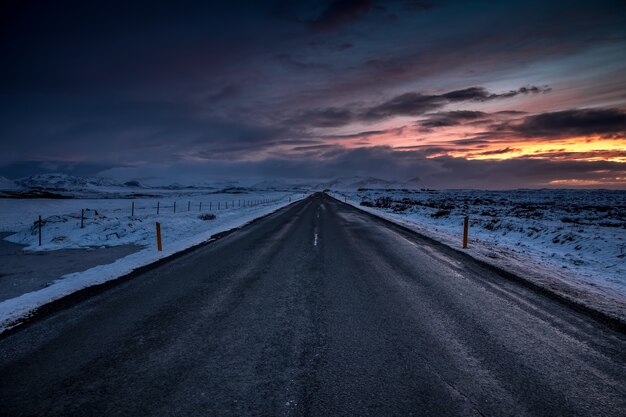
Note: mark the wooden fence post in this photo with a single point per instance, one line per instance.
(82, 218)
(158, 204)
(39, 224)
(132, 210)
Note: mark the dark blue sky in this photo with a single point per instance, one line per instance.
(460, 94)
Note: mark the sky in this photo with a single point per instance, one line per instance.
(450, 94)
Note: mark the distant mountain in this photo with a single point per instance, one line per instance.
(64, 182)
(356, 182)
(273, 185)
(57, 185)
(8, 185)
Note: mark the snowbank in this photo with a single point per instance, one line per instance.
(112, 226)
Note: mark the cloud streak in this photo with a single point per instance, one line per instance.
(408, 104)
(574, 122)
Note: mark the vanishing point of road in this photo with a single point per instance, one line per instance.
(318, 309)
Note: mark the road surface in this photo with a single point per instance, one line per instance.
(318, 309)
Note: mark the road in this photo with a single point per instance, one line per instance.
(318, 309)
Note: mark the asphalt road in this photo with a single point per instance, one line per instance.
(318, 309)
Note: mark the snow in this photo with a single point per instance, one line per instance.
(108, 222)
(572, 242)
(356, 182)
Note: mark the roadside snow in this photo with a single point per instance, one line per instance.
(108, 223)
(572, 242)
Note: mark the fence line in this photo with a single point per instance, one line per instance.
(241, 203)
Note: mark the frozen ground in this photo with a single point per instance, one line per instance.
(25, 271)
(109, 222)
(571, 241)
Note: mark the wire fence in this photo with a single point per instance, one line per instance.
(144, 208)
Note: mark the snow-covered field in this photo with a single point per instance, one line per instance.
(110, 222)
(571, 241)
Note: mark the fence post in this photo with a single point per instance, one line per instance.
(200, 210)
(188, 205)
(82, 218)
(39, 224)
(174, 206)
(210, 205)
(132, 210)
(218, 205)
(158, 236)
(465, 227)
(158, 204)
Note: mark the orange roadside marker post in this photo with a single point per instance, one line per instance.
(158, 236)
(465, 227)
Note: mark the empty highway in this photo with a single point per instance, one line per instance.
(319, 309)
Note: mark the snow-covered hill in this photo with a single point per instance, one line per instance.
(371, 183)
(8, 185)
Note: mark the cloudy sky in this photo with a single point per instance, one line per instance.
(484, 94)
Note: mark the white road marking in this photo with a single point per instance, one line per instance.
(315, 240)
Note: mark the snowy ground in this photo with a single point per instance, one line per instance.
(109, 222)
(571, 241)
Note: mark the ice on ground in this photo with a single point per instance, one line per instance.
(25, 271)
(572, 237)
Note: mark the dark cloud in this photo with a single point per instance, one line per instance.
(481, 94)
(340, 12)
(363, 134)
(497, 151)
(415, 104)
(564, 155)
(576, 122)
(417, 6)
(451, 118)
(410, 104)
(328, 117)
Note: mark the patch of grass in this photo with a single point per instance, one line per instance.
(207, 216)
